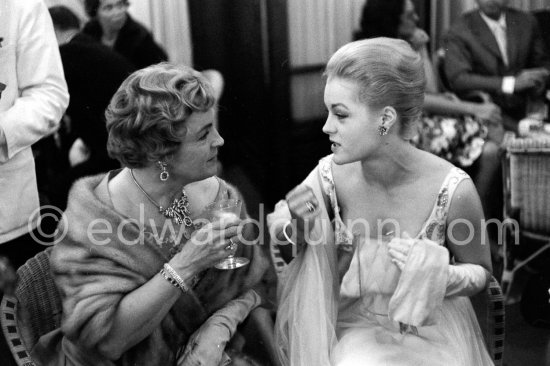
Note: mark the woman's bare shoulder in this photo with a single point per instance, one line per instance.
(432, 166)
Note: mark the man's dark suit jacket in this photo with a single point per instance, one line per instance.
(473, 60)
(134, 42)
(93, 73)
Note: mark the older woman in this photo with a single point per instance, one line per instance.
(394, 233)
(134, 272)
(112, 25)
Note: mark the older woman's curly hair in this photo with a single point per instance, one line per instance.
(146, 117)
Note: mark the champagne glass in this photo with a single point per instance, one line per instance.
(216, 211)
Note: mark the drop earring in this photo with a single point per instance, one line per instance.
(164, 175)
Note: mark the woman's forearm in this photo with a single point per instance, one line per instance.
(466, 279)
(138, 314)
(439, 104)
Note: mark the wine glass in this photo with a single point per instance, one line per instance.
(217, 210)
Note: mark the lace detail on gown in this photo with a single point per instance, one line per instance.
(342, 234)
(366, 334)
(434, 227)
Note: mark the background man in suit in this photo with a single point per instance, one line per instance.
(93, 73)
(498, 50)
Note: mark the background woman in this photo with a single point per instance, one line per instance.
(112, 25)
(465, 133)
(134, 272)
(405, 267)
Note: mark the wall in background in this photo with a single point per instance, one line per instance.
(247, 41)
(168, 20)
(316, 28)
(169, 23)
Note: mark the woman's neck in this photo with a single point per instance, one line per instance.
(163, 193)
(393, 165)
(109, 39)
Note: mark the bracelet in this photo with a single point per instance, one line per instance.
(286, 235)
(171, 272)
(169, 279)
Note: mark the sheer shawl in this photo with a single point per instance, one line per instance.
(308, 290)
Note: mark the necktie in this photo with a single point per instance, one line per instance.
(500, 35)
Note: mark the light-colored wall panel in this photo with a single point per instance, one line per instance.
(306, 95)
(530, 5)
(168, 20)
(317, 28)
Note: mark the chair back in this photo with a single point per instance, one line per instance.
(527, 186)
(34, 310)
(490, 312)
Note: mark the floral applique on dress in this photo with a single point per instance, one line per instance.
(436, 225)
(342, 235)
(434, 228)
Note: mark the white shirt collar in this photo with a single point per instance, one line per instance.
(492, 24)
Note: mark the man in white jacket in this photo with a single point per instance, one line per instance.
(31, 106)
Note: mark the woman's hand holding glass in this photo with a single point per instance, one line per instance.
(219, 211)
(209, 245)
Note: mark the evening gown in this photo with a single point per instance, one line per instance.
(366, 334)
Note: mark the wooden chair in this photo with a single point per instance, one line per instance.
(37, 294)
(526, 169)
(488, 305)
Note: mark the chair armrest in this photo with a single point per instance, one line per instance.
(495, 321)
(11, 331)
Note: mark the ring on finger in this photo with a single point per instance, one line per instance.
(310, 206)
(231, 246)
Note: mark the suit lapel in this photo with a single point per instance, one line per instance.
(485, 35)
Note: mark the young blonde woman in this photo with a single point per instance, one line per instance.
(389, 236)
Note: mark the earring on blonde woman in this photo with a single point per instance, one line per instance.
(382, 130)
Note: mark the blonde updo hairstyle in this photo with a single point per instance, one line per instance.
(388, 72)
(146, 116)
